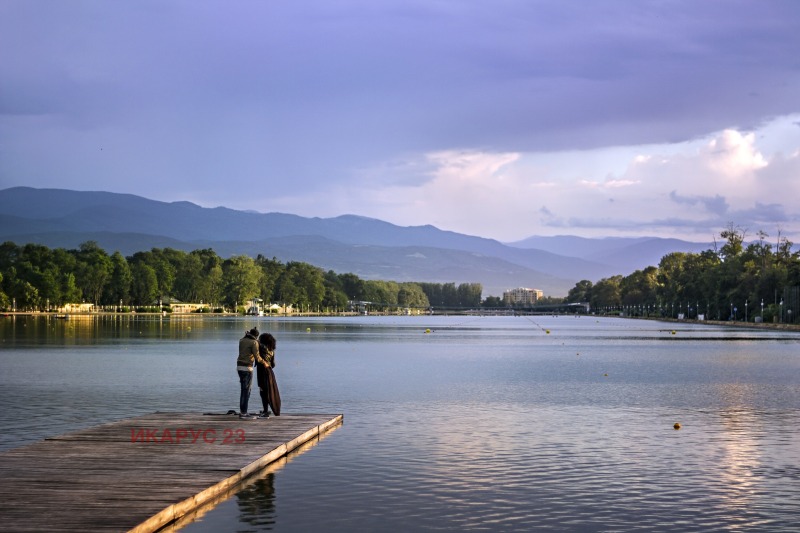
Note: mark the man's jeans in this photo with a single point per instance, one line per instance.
(246, 380)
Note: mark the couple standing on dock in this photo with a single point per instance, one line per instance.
(259, 350)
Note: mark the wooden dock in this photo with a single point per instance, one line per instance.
(141, 474)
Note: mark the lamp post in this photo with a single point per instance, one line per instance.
(762, 309)
(745, 310)
(781, 320)
(731, 317)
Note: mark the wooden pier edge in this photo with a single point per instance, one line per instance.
(173, 512)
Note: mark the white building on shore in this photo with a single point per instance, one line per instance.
(522, 296)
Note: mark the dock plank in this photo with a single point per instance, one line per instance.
(137, 474)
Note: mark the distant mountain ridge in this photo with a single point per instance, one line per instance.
(610, 249)
(370, 248)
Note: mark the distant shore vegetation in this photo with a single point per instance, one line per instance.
(733, 281)
(34, 277)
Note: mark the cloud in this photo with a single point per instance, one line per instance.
(715, 204)
(732, 154)
(609, 183)
(471, 116)
(692, 189)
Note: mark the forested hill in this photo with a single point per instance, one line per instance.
(370, 248)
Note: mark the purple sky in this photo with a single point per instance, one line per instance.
(501, 118)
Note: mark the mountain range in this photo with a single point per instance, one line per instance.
(367, 247)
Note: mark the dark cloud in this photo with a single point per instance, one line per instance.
(761, 214)
(306, 95)
(716, 204)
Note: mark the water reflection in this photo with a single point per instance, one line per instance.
(486, 423)
(257, 503)
(251, 503)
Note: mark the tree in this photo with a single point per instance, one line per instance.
(334, 295)
(450, 295)
(210, 284)
(412, 295)
(639, 288)
(353, 286)
(493, 301)
(4, 301)
(606, 293)
(469, 294)
(94, 271)
(309, 283)
(241, 278)
(144, 284)
(271, 271)
(188, 278)
(734, 238)
(381, 293)
(581, 292)
(119, 287)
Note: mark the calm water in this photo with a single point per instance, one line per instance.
(485, 423)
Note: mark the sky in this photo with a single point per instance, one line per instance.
(498, 118)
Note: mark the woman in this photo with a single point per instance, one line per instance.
(267, 386)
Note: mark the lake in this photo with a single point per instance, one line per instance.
(453, 423)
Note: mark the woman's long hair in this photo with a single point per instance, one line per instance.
(268, 340)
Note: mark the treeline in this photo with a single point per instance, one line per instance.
(732, 282)
(35, 277)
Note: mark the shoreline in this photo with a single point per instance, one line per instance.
(782, 326)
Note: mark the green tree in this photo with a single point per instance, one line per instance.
(271, 271)
(606, 293)
(241, 278)
(469, 294)
(310, 283)
(188, 278)
(144, 284)
(412, 295)
(211, 283)
(5, 303)
(581, 292)
(493, 301)
(353, 287)
(119, 287)
(381, 293)
(639, 287)
(450, 295)
(335, 298)
(94, 271)
(734, 241)
(70, 292)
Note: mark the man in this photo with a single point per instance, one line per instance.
(248, 355)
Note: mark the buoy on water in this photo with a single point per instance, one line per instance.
(677, 425)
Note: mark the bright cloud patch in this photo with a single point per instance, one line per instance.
(469, 166)
(734, 154)
(689, 190)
